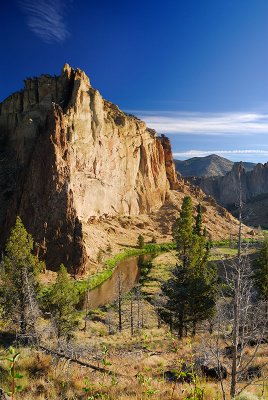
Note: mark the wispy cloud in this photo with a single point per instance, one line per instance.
(205, 123)
(203, 153)
(46, 19)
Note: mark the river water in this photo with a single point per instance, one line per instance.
(125, 276)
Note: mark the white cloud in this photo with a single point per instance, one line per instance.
(203, 153)
(205, 123)
(46, 19)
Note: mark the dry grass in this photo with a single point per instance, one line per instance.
(137, 363)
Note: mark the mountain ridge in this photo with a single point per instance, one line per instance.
(254, 187)
(211, 165)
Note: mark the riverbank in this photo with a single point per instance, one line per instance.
(97, 279)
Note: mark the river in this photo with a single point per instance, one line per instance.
(125, 276)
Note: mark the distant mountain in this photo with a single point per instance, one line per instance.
(212, 165)
(225, 190)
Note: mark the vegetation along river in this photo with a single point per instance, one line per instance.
(125, 276)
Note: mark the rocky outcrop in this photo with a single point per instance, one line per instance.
(225, 190)
(169, 163)
(69, 157)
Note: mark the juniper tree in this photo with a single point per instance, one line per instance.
(19, 268)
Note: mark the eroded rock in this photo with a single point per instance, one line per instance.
(69, 158)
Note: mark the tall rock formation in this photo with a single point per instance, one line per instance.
(69, 157)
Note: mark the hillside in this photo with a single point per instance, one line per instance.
(212, 165)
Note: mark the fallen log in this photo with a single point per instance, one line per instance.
(80, 362)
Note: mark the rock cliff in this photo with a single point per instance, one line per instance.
(85, 177)
(225, 190)
(69, 157)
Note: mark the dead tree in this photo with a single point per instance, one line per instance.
(30, 309)
(131, 315)
(119, 301)
(240, 317)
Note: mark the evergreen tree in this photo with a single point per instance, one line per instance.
(176, 289)
(183, 231)
(203, 289)
(18, 292)
(191, 291)
(62, 302)
(198, 221)
(261, 270)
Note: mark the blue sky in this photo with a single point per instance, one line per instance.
(196, 70)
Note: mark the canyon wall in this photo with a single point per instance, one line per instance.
(254, 187)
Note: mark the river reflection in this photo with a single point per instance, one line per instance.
(126, 274)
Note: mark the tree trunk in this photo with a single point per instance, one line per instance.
(86, 309)
(138, 310)
(236, 306)
(131, 316)
(119, 313)
(119, 302)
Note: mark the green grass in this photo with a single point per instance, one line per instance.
(162, 265)
(226, 242)
(217, 253)
(97, 279)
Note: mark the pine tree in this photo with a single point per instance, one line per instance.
(183, 231)
(198, 221)
(261, 271)
(203, 290)
(192, 288)
(176, 289)
(18, 276)
(62, 302)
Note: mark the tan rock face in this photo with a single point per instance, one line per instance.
(69, 157)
